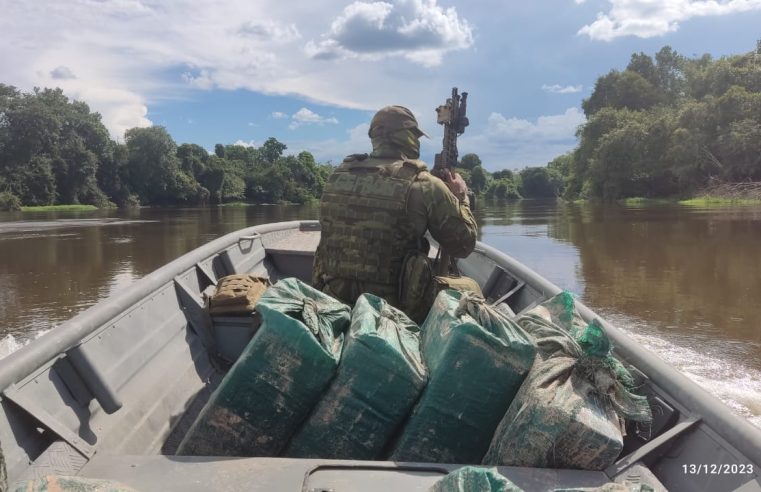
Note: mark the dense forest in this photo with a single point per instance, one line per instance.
(56, 151)
(666, 126)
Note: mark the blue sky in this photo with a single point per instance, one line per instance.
(312, 74)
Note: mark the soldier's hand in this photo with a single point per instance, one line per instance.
(457, 185)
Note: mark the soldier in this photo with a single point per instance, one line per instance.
(376, 208)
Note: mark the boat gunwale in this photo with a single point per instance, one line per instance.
(28, 359)
(737, 431)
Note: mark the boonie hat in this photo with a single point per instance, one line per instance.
(393, 118)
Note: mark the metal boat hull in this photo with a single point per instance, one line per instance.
(110, 393)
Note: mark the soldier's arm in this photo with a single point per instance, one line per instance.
(449, 220)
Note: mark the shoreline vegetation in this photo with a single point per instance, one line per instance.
(60, 208)
(669, 126)
(702, 200)
(666, 126)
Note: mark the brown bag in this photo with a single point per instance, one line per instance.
(237, 294)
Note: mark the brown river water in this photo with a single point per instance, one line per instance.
(685, 282)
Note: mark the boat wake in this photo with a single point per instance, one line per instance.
(10, 344)
(705, 362)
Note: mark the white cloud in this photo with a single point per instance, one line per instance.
(269, 30)
(279, 115)
(200, 80)
(512, 143)
(334, 150)
(650, 18)
(306, 117)
(561, 89)
(547, 128)
(125, 55)
(243, 143)
(418, 30)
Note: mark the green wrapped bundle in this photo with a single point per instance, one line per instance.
(474, 479)
(379, 380)
(561, 311)
(477, 360)
(52, 483)
(568, 412)
(278, 378)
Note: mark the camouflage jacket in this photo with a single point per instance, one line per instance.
(428, 206)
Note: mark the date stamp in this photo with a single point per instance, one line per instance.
(717, 469)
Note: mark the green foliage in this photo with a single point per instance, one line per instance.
(503, 174)
(272, 149)
(470, 161)
(625, 89)
(55, 151)
(503, 189)
(59, 208)
(50, 147)
(219, 150)
(478, 179)
(539, 182)
(153, 169)
(715, 201)
(667, 126)
(9, 201)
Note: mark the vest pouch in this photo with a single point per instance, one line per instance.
(415, 285)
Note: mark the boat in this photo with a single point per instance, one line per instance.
(111, 393)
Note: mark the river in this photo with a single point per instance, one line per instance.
(685, 282)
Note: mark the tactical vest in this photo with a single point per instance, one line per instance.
(366, 232)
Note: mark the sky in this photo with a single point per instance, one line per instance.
(312, 74)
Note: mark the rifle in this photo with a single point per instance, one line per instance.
(452, 115)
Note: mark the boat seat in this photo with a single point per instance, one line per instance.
(292, 255)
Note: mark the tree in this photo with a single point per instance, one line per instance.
(503, 174)
(669, 67)
(42, 134)
(213, 178)
(112, 177)
(56, 150)
(643, 65)
(470, 161)
(478, 179)
(506, 190)
(153, 168)
(193, 159)
(625, 89)
(740, 148)
(272, 149)
(537, 182)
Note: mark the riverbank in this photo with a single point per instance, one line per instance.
(699, 201)
(721, 195)
(59, 208)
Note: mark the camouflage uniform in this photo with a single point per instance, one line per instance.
(376, 209)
